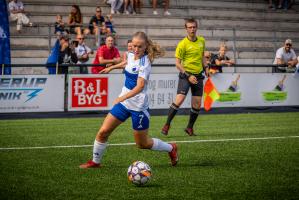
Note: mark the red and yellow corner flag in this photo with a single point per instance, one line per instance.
(210, 94)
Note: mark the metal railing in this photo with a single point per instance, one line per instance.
(233, 37)
(275, 68)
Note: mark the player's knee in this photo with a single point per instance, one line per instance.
(196, 106)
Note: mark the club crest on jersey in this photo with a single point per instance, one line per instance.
(135, 69)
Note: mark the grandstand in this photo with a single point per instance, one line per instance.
(251, 31)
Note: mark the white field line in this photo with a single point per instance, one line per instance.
(129, 144)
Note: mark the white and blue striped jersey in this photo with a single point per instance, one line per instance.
(133, 70)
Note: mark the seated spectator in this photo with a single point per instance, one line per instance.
(60, 26)
(219, 60)
(129, 49)
(96, 22)
(97, 25)
(208, 58)
(116, 6)
(17, 13)
(166, 6)
(75, 20)
(82, 52)
(286, 58)
(107, 55)
(67, 54)
(109, 26)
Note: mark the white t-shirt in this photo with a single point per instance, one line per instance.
(81, 50)
(15, 6)
(133, 70)
(284, 56)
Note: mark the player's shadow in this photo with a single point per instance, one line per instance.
(149, 185)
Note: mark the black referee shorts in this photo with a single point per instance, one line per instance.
(184, 85)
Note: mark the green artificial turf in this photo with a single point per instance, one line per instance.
(221, 169)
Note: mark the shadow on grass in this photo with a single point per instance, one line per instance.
(149, 185)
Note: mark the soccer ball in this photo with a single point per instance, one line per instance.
(139, 173)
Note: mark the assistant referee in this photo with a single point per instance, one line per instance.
(189, 61)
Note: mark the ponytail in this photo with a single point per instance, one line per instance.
(153, 49)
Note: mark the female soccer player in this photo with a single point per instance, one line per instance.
(133, 102)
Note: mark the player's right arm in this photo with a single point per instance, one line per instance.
(120, 65)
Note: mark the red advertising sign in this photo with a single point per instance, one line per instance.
(89, 92)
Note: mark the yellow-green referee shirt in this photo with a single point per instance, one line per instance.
(191, 54)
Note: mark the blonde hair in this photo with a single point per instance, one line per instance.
(153, 49)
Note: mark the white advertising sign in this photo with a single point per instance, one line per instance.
(256, 89)
(31, 93)
(97, 92)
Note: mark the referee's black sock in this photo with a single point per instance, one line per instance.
(193, 116)
(171, 113)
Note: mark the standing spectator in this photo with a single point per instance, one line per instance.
(286, 57)
(75, 20)
(190, 62)
(116, 6)
(17, 13)
(97, 25)
(137, 6)
(219, 60)
(59, 25)
(106, 55)
(129, 7)
(82, 52)
(67, 54)
(166, 6)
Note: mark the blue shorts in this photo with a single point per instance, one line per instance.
(140, 119)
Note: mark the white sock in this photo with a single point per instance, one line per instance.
(160, 145)
(98, 151)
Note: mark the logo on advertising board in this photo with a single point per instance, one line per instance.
(89, 92)
(231, 94)
(277, 94)
(21, 89)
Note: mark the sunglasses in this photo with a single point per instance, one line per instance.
(289, 44)
(98, 11)
(80, 38)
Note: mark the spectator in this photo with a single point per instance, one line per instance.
(137, 6)
(109, 26)
(166, 6)
(129, 7)
(17, 13)
(96, 22)
(219, 60)
(208, 58)
(106, 55)
(75, 20)
(59, 26)
(116, 6)
(286, 58)
(97, 25)
(82, 52)
(67, 54)
(129, 49)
